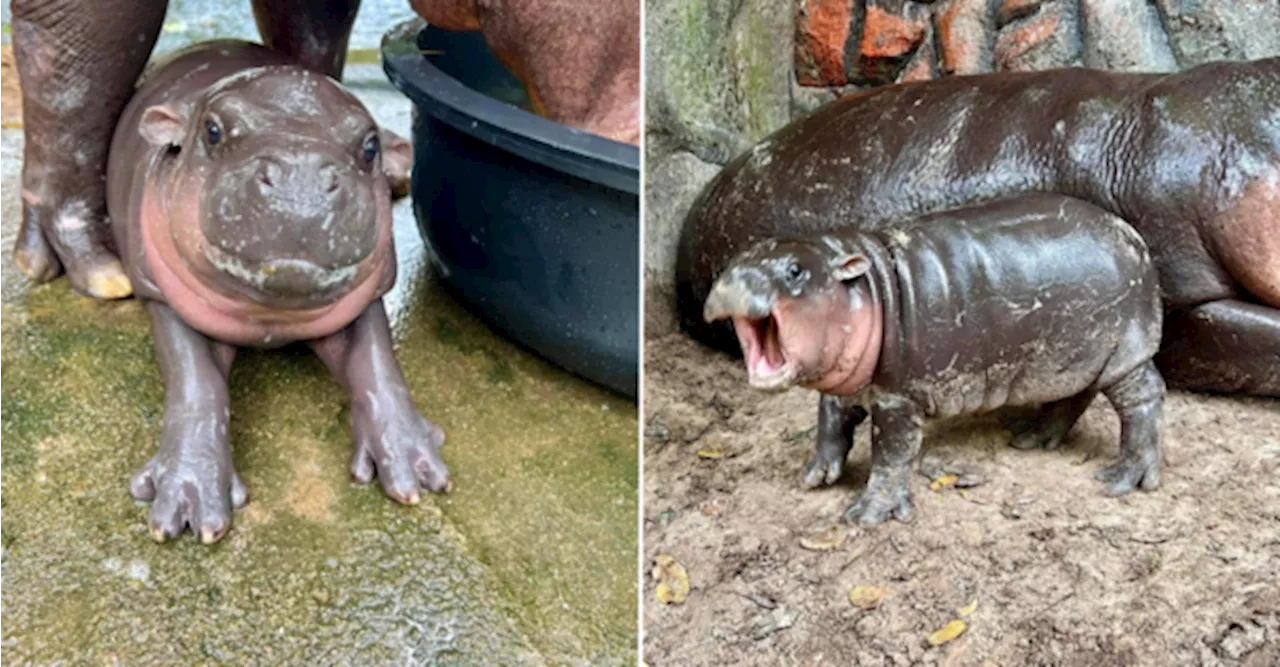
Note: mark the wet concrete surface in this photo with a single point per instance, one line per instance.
(531, 560)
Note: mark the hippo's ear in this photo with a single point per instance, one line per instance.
(848, 267)
(161, 126)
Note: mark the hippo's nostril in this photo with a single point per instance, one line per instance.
(269, 174)
(329, 176)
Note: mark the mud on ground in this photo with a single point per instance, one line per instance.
(1061, 574)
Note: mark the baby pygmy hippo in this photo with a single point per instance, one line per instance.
(1044, 300)
(250, 207)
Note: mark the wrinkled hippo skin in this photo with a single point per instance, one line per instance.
(579, 60)
(250, 205)
(1191, 160)
(1034, 301)
(78, 62)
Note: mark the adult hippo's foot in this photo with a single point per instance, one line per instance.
(190, 481)
(837, 420)
(1223, 347)
(392, 440)
(1051, 423)
(78, 63)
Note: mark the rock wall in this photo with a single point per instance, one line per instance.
(722, 74)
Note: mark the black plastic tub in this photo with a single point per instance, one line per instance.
(533, 225)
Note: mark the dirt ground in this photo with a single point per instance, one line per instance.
(1061, 574)
(10, 90)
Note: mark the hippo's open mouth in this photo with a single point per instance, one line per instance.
(767, 363)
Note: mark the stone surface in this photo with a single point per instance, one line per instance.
(672, 185)
(1125, 35)
(531, 560)
(717, 72)
(1204, 30)
(891, 33)
(963, 29)
(1047, 39)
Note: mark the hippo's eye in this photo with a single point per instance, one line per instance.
(794, 271)
(212, 133)
(371, 148)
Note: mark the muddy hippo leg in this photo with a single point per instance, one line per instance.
(317, 34)
(837, 420)
(191, 481)
(78, 62)
(1051, 423)
(1138, 398)
(895, 441)
(392, 439)
(1224, 346)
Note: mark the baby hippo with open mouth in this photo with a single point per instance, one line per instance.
(1040, 301)
(248, 202)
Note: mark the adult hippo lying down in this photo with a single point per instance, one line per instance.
(248, 200)
(1191, 160)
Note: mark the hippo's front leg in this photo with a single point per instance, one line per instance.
(896, 434)
(838, 417)
(391, 437)
(191, 481)
(1224, 346)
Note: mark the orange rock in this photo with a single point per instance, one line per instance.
(963, 31)
(822, 29)
(1012, 10)
(1013, 43)
(888, 36)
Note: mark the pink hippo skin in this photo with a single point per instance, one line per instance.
(579, 60)
(78, 62)
(249, 202)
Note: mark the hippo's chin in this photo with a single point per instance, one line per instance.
(287, 284)
(767, 364)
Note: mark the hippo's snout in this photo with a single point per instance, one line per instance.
(317, 176)
(740, 292)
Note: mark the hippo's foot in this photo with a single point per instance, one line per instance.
(823, 468)
(190, 484)
(397, 162)
(1050, 425)
(402, 448)
(49, 242)
(1125, 475)
(886, 497)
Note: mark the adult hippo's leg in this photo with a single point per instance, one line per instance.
(1223, 346)
(317, 34)
(78, 62)
(191, 480)
(392, 439)
(837, 419)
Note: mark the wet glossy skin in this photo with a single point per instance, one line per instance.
(1191, 160)
(79, 62)
(1040, 300)
(248, 197)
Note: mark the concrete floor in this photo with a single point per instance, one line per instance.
(531, 560)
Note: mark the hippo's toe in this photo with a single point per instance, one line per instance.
(403, 452)
(823, 470)
(1125, 475)
(889, 499)
(200, 497)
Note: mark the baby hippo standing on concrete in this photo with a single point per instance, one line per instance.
(1044, 300)
(249, 205)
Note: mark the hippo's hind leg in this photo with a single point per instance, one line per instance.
(317, 34)
(895, 441)
(837, 420)
(191, 481)
(78, 62)
(1051, 423)
(392, 439)
(1138, 397)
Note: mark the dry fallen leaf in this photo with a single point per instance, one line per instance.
(944, 482)
(716, 451)
(673, 580)
(831, 538)
(949, 632)
(868, 597)
(967, 610)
